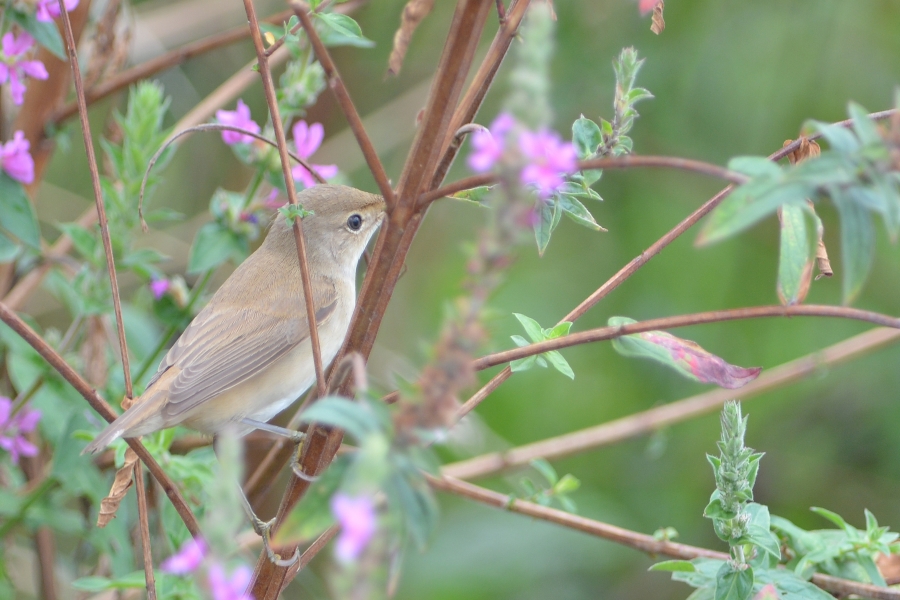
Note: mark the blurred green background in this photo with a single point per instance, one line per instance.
(730, 78)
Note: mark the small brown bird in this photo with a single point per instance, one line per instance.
(247, 355)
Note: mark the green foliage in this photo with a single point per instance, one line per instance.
(536, 333)
(556, 490)
(17, 218)
(341, 30)
(846, 552)
(797, 252)
(856, 173)
(45, 33)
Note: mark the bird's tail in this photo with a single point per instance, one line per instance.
(134, 422)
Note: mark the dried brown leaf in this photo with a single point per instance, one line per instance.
(658, 24)
(110, 505)
(810, 149)
(413, 13)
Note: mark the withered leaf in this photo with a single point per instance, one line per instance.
(413, 13)
(658, 24)
(685, 356)
(123, 480)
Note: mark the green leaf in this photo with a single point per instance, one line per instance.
(134, 580)
(558, 330)
(46, 34)
(523, 364)
(834, 518)
(568, 484)
(864, 126)
(559, 363)
(586, 137)
(577, 211)
(293, 211)
(213, 246)
(749, 204)
(313, 514)
(857, 245)
(476, 195)
(684, 356)
(347, 30)
(16, 213)
(532, 327)
(412, 497)
(754, 166)
(352, 417)
(838, 137)
(734, 584)
(8, 248)
(547, 215)
(789, 585)
(715, 509)
(681, 566)
(546, 470)
(83, 240)
(795, 260)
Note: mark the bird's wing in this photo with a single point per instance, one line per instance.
(221, 349)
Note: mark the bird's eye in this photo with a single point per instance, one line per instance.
(354, 222)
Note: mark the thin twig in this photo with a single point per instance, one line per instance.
(659, 417)
(72, 53)
(876, 116)
(632, 539)
(311, 552)
(144, 527)
(346, 103)
(269, 87)
(100, 405)
(629, 161)
(713, 316)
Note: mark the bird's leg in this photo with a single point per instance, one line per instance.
(263, 529)
(294, 436)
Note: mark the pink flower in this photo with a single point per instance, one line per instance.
(187, 559)
(646, 6)
(230, 588)
(237, 118)
(14, 68)
(489, 145)
(549, 159)
(47, 10)
(15, 159)
(307, 139)
(272, 201)
(159, 287)
(356, 516)
(12, 428)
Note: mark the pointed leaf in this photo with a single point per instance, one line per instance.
(16, 213)
(543, 228)
(532, 327)
(754, 166)
(586, 137)
(734, 584)
(523, 364)
(559, 363)
(45, 33)
(345, 27)
(795, 261)
(558, 331)
(350, 416)
(682, 566)
(685, 356)
(750, 203)
(578, 212)
(857, 244)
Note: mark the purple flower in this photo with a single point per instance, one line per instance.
(230, 588)
(490, 144)
(47, 10)
(237, 118)
(549, 159)
(307, 139)
(249, 217)
(14, 68)
(16, 160)
(187, 559)
(356, 516)
(159, 287)
(13, 426)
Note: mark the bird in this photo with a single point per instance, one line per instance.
(247, 355)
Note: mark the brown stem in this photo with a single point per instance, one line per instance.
(100, 405)
(346, 103)
(632, 539)
(269, 87)
(72, 53)
(656, 418)
(713, 316)
(628, 161)
(390, 252)
(144, 527)
(876, 116)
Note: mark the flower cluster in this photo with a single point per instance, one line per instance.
(13, 427)
(546, 157)
(357, 519)
(14, 67)
(307, 139)
(237, 118)
(16, 160)
(221, 585)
